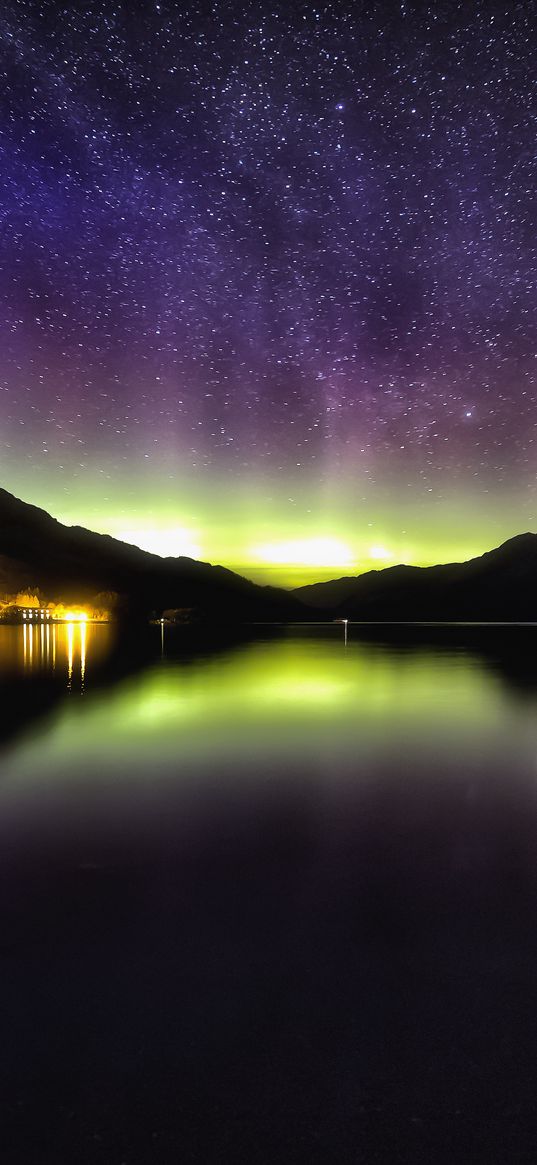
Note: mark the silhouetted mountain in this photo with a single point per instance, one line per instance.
(69, 564)
(499, 585)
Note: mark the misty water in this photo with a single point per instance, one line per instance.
(268, 901)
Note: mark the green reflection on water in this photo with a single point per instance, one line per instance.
(295, 702)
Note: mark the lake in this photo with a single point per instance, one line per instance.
(271, 900)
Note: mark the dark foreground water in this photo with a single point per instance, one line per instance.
(274, 902)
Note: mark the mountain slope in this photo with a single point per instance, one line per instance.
(499, 585)
(71, 564)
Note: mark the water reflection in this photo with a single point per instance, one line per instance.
(300, 698)
(276, 896)
(36, 648)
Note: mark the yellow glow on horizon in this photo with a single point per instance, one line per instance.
(75, 617)
(312, 552)
(166, 541)
(380, 554)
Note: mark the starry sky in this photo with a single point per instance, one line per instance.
(268, 277)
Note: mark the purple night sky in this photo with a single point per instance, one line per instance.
(268, 277)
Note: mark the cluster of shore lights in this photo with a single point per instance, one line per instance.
(42, 615)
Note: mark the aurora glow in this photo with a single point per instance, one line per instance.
(268, 278)
(281, 701)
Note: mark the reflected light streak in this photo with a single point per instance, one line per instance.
(70, 639)
(83, 632)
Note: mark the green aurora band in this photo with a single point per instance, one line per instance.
(283, 532)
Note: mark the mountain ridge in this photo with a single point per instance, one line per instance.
(73, 564)
(489, 586)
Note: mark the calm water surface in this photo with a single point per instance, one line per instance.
(272, 902)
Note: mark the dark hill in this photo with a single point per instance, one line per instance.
(70, 564)
(499, 585)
